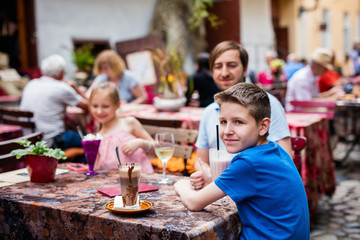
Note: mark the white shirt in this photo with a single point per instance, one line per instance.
(47, 98)
(301, 86)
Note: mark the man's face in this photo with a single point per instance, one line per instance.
(318, 70)
(228, 70)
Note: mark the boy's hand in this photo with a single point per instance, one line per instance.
(182, 186)
(197, 180)
(201, 178)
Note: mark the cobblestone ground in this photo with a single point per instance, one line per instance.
(338, 217)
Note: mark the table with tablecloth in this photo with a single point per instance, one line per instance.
(190, 116)
(72, 208)
(318, 170)
(8, 131)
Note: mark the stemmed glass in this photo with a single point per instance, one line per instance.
(164, 149)
(91, 149)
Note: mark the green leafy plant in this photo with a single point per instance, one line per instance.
(200, 12)
(83, 57)
(39, 148)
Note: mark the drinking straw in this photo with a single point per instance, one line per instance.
(117, 154)
(80, 132)
(217, 137)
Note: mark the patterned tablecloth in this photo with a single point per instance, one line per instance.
(8, 131)
(71, 208)
(318, 170)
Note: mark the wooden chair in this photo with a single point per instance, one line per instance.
(6, 159)
(311, 106)
(184, 138)
(298, 144)
(17, 117)
(171, 123)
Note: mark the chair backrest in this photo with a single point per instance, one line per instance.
(298, 144)
(311, 106)
(7, 146)
(17, 117)
(171, 123)
(184, 138)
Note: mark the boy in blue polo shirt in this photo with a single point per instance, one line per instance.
(262, 179)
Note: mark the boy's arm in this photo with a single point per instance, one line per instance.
(197, 200)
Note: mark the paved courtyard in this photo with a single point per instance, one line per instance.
(338, 217)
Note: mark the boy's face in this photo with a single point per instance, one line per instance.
(238, 129)
(228, 70)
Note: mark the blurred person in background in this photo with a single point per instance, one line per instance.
(330, 78)
(109, 66)
(202, 82)
(304, 83)
(292, 65)
(355, 57)
(47, 97)
(274, 71)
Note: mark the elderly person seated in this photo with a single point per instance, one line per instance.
(109, 66)
(304, 83)
(47, 97)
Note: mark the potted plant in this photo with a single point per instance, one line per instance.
(172, 80)
(84, 60)
(40, 160)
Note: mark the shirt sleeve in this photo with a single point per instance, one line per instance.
(279, 127)
(238, 181)
(100, 78)
(202, 140)
(69, 96)
(131, 79)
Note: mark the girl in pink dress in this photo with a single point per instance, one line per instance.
(125, 132)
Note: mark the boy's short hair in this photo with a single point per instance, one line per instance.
(248, 95)
(225, 46)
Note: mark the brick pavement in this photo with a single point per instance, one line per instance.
(338, 217)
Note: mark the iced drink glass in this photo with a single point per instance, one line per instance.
(219, 161)
(129, 181)
(91, 149)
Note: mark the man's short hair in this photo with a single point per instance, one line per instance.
(53, 65)
(225, 46)
(248, 95)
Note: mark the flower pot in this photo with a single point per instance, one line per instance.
(41, 168)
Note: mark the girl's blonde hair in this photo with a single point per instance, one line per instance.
(111, 58)
(108, 87)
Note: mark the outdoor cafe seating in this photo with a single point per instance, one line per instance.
(77, 201)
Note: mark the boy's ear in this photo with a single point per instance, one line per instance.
(264, 126)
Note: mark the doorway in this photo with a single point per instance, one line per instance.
(17, 33)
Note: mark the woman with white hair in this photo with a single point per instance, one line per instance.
(47, 97)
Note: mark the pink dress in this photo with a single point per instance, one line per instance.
(108, 157)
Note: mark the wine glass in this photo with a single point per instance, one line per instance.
(164, 149)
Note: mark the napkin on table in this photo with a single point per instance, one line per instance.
(116, 191)
(118, 204)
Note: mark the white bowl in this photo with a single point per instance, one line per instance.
(170, 105)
